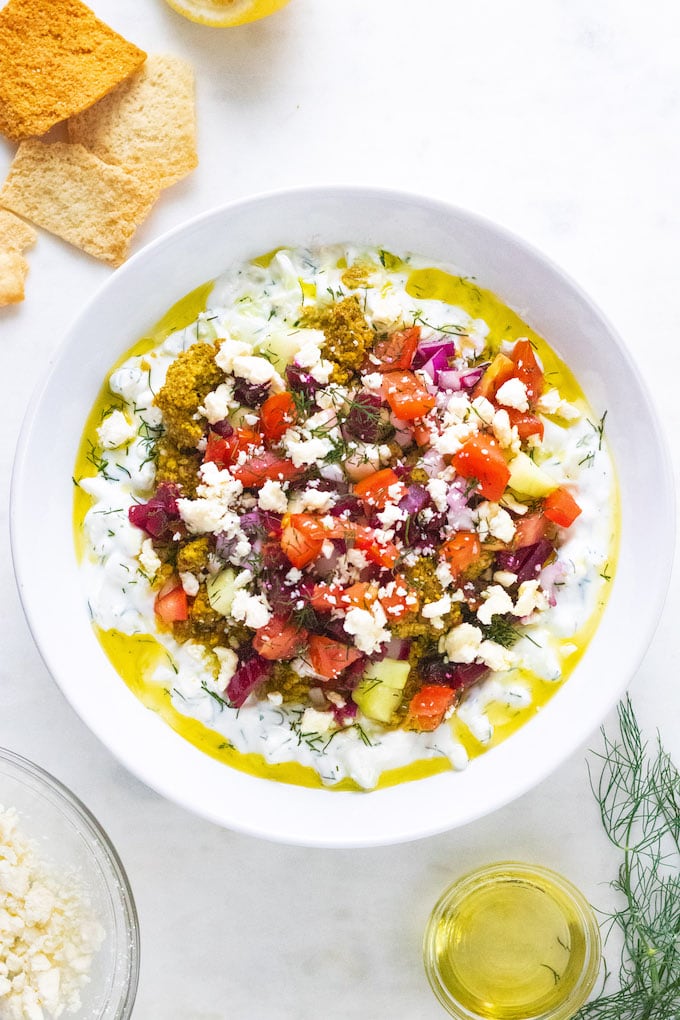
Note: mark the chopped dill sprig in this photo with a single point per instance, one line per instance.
(598, 428)
(638, 792)
(451, 329)
(220, 701)
(502, 631)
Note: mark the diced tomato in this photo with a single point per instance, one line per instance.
(422, 434)
(326, 597)
(267, 465)
(561, 508)
(277, 414)
(396, 350)
(499, 371)
(224, 451)
(530, 529)
(171, 604)
(330, 658)
(480, 457)
(427, 708)
(279, 639)
(402, 599)
(527, 369)
(461, 551)
(384, 554)
(375, 488)
(408, 397)
(302, 537)
(526, 424)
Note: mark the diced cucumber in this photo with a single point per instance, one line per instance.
(221, 590)
(527, 479)
(378, 694)
(281, 347)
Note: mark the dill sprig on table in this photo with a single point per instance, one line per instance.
(639, 796)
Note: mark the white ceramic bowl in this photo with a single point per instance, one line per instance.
(71, 844)
(129, 303)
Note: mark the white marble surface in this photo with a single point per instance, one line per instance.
(561, 120)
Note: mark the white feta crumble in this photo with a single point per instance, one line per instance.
(462, 643)
(438, 490)
(495, 656)
(115, 431)
(493, 520)
(230, 350)
(253, 610)
(506, 434)
(513, 393)
(305, 451)
(48, 932)
(550, 402)
(367, 627)
(496, 602)
(436, 611)
(228, 660)
(190, 583)
(506, 578)
(314, 721)
(149, 560)
(272, 497)
(218, 403)
(530, 598)
(258, 371)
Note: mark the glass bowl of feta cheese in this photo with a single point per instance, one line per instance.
(69, 939)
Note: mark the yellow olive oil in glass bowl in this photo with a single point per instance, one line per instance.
(512, 942)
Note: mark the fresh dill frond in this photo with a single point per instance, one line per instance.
(638, 792)
(502, 631)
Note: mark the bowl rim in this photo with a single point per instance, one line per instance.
(117, 878)
(338, 838)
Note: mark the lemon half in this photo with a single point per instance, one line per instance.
(223, 13)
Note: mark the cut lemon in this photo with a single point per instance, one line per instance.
(223, 13)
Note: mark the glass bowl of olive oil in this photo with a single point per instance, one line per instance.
(512, 941)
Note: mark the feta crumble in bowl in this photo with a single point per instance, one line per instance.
(469, 431)
(69, 940)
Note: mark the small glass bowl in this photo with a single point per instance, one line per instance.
(71, 843)
(512, 941)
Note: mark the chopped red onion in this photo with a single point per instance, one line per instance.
(249, 675)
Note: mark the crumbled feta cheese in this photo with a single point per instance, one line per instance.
(149, 560)
(391, 515)
(485, 409)
(310, 352)
(443, 574)
(438, 490)
(552, 403)
(305, 451)
(257, 371)
(253, 610)
(493, 520)
(506, 434)
(272, 497)
(228, 660)
(462, 643)
(495, 656)
(513, 393)
(314, 721)
(530, 598)
(372, 381)
(48, 934)
(367, 627)
(439, 608)
(453, 437)
(322, 372)
(115, 431)
(190, 583)
(294, 575)
(229, 350)
(218, 403)
(496, 602)
(505, 577)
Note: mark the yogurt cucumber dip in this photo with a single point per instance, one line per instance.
(343, 518)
